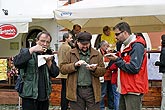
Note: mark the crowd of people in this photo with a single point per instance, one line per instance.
(116, 68)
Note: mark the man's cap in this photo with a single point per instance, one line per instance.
(84, 37)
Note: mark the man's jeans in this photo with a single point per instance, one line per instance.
(116, 97)
(106, 89)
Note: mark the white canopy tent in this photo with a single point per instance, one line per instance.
(29, 8)
(20, 12)
(92, 15)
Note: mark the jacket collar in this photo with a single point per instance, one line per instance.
(93, 52)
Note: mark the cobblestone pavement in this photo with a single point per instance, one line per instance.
(58, 108)
(151, 109)
(16, 107)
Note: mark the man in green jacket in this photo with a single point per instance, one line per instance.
(84, 65)
(36, 80)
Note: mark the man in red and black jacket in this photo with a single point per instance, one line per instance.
(132, 64)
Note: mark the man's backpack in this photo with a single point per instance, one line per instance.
(20, 81)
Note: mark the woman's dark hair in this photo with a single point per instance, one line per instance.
(163, 40)
(141, 35)
(106, 28)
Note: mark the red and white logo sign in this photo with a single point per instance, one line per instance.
(8, 31)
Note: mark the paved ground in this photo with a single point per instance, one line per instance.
(58, 108)
(16, 107)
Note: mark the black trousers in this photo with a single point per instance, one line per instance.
(64, 100)
(33, 104)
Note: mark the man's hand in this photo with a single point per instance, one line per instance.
(111, 56)
(36, 48)
(79, 63)
(49, 61)
(92, 67)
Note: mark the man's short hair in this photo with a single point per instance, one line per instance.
(65, 36)
(123, 26)
(43, 32)
(103, 42)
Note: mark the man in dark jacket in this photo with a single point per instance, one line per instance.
(161, 65)
(37, 84)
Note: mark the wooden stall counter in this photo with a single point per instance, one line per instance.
(151, 99)
(55, 97)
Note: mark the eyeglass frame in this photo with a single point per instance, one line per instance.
(117, 34)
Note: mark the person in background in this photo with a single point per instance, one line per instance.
(113, 68)
(37, 83)
(63, 49)
(114, 73)
(76, 29)
(141, 35)
(106, 86)
(83, 65)
(161, 64)
(132, 64)
(107, 35)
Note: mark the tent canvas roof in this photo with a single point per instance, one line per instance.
(142, 15)
(39, 9)
(21, 12)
